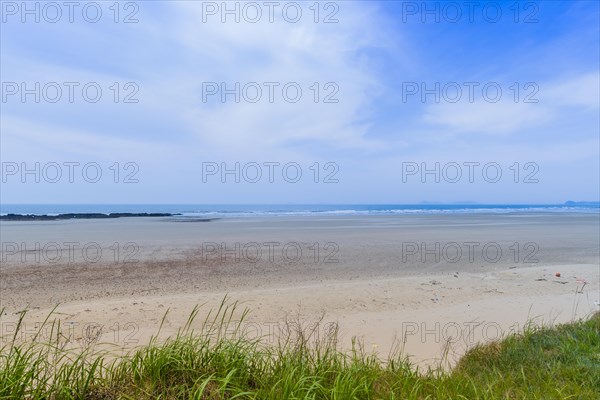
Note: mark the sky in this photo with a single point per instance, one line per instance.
(341, 102)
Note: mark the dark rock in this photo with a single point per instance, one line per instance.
(44, 217)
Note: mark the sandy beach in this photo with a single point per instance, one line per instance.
(431, 284)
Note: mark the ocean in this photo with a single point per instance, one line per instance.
(253, 210)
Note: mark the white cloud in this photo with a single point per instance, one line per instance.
(556, 100)
(580, 91)
(302, 53)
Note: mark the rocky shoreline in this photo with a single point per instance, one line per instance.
(45, 217)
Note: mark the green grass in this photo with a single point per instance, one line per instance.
(562, 362)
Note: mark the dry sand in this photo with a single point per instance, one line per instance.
(382, 278)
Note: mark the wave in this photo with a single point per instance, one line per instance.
(392, 211)
(224, 211)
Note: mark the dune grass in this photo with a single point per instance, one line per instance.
(215, 362)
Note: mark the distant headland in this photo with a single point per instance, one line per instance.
(582, 203)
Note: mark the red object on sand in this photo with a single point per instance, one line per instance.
(557, 274)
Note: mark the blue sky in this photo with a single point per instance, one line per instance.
(371, 57)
